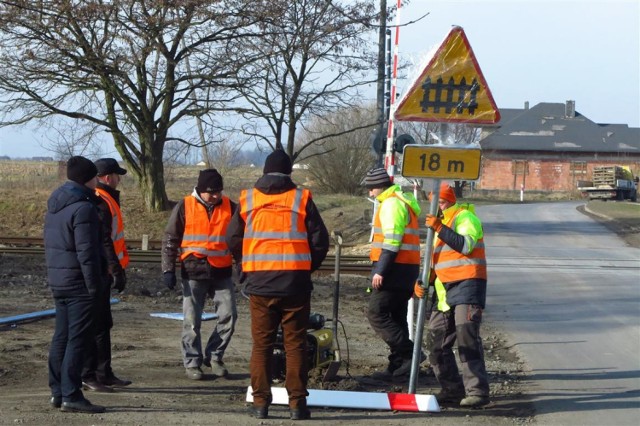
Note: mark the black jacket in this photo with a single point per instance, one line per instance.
(76, 263)
(281, 283)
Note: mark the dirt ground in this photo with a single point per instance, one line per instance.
(147, 351)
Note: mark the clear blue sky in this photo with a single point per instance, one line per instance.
(540, 50)
(528, 50)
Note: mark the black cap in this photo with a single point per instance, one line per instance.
(106, 166)
(81, 170)
(277, 162)
(210, 181)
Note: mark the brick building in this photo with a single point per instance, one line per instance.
(551, 147)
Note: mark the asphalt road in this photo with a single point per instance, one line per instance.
(567, 293)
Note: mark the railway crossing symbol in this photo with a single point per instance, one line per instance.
(451, 88)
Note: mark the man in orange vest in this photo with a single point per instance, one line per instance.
(279, 238)
(395, 253)
(460, 269)
(97, 374)
(196, 233)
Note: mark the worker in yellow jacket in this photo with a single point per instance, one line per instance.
(460, 271)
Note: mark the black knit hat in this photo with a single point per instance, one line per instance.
(210, 181)
(277, 162)
(80, 169)
(377, 178)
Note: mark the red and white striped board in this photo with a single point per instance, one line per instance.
(359, 400)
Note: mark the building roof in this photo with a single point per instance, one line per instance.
(555, 127)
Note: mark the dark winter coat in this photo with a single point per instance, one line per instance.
(281, 283)
(76, 263)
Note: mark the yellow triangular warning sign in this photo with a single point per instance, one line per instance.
(451, 88)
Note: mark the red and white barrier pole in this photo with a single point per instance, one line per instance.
(359, 400)
(389, 159)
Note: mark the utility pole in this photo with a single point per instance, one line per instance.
(380, 97)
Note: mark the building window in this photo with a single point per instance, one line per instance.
(578, 168)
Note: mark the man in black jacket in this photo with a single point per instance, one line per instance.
(76, 269)
(97, 374)
(278, 236)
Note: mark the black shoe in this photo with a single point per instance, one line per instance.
(449, 396)
(115, 382)
(405, 368)
(260, 412)
(56, 401)
(95, 386)
(82, 406)
(300, 413)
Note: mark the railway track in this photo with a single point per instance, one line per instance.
(28, 246)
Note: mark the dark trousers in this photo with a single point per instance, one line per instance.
(68, 346)
(387, 314)
(267, 313)
(97, 365)
(461, 323)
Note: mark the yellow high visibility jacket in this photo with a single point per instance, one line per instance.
(450, 265)
(275, 235)
(204, 236)
(396, 234)
(117, 227)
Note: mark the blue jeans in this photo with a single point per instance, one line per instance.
(74, 316)
(195, 294)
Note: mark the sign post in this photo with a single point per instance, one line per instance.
(450, 89)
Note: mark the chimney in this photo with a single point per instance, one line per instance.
(526, 105)
(570, 109)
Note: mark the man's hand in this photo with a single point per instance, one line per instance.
(119, 280)
(434, 222)
(169, 278)
(376, 281)
(418, 290)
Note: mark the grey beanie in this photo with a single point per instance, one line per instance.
(377, 178)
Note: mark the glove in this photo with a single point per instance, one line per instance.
(169, 278)
(119, 280)
(434, 222)
(242, 276)
(418, 290)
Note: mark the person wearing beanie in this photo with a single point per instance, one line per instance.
(76, 270)
(195, 233)
(395, 253)
(97, 374)
(459, 275)
(279, 238)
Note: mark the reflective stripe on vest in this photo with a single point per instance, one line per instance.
(409, 249)
(275, 234)
(117, 227)
(204, 236)
(451, 266)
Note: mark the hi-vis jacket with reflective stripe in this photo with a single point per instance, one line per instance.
(470, 262)
(117, 227)
(204, 236)
(275, 236)
(395, 226)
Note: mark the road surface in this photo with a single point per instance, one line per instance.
(567, 293)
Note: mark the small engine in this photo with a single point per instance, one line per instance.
(319, 347)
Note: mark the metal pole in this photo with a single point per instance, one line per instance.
(424, 278)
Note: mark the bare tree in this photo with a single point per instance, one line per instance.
(121, 65)
(316, 54)
(346, 158)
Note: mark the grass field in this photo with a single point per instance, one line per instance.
(26, 186)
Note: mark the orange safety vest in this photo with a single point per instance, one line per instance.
(117, 227)
(275, 234)
(204, 236)
(451, 266)
(409, 252)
